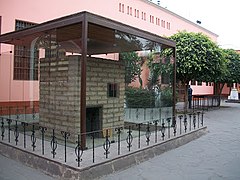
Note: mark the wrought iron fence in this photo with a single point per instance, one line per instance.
(206, 102)
(101, 145)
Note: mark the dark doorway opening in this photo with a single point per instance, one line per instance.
(93, 119)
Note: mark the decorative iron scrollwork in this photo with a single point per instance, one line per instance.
(175, 129)
(148, 133)
(53, 144)
(194, 120)
(163, 128)
(9, 121)
(119, 130)
(169, 121)
(106, 144)
(190, 122)
(185, 122)
(33, 138)
(129, 138)
(16, 132)
(78, 151)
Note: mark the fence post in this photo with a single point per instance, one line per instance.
(148, 133)
(33, 138)
(9, 121)
(155, 125)
(16, 132)
(139, 134)
(107, 144)
(163, 129)
(78, 151)
(43, 130)
(119, 130)
(190, 121)
(24, 124)
(129, 139)
(65, 136)
(53, 144)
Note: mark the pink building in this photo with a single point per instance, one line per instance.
(17, 88)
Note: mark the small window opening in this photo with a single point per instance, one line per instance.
(112, 89)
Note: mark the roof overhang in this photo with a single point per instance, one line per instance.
(28, 34)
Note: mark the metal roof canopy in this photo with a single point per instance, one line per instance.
(35, 31)
(88, 21)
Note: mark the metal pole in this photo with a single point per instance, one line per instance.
(174, 85)
(83, 82)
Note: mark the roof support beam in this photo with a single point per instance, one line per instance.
(83, 82)
(174, 85)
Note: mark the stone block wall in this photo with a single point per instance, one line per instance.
(60, 81)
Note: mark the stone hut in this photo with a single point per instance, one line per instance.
(60, 94)
(80, 91)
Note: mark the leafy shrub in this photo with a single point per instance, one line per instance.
(139, 98)
(167, 97)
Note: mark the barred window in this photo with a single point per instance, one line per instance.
(23, 70)
(112, 90)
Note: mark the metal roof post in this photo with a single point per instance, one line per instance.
(83, 82)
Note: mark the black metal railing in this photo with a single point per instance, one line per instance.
(205, 102)
(60, 144)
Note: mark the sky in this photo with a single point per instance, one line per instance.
(218, 16)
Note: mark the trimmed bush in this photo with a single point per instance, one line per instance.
(139, 98)
(167, 97)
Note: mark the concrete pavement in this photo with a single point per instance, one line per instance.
(215, 156)
(13, 170)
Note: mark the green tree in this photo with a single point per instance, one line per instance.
(198, 58)
(231, 74)
(133, 64)
(233, 65)
(159, 65)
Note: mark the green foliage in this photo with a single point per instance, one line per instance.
(139, 98)
(133, 65)
(197, 57)
(167, 97)
(159, 65)
(232, 59)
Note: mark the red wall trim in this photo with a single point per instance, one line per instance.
(19, 107)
